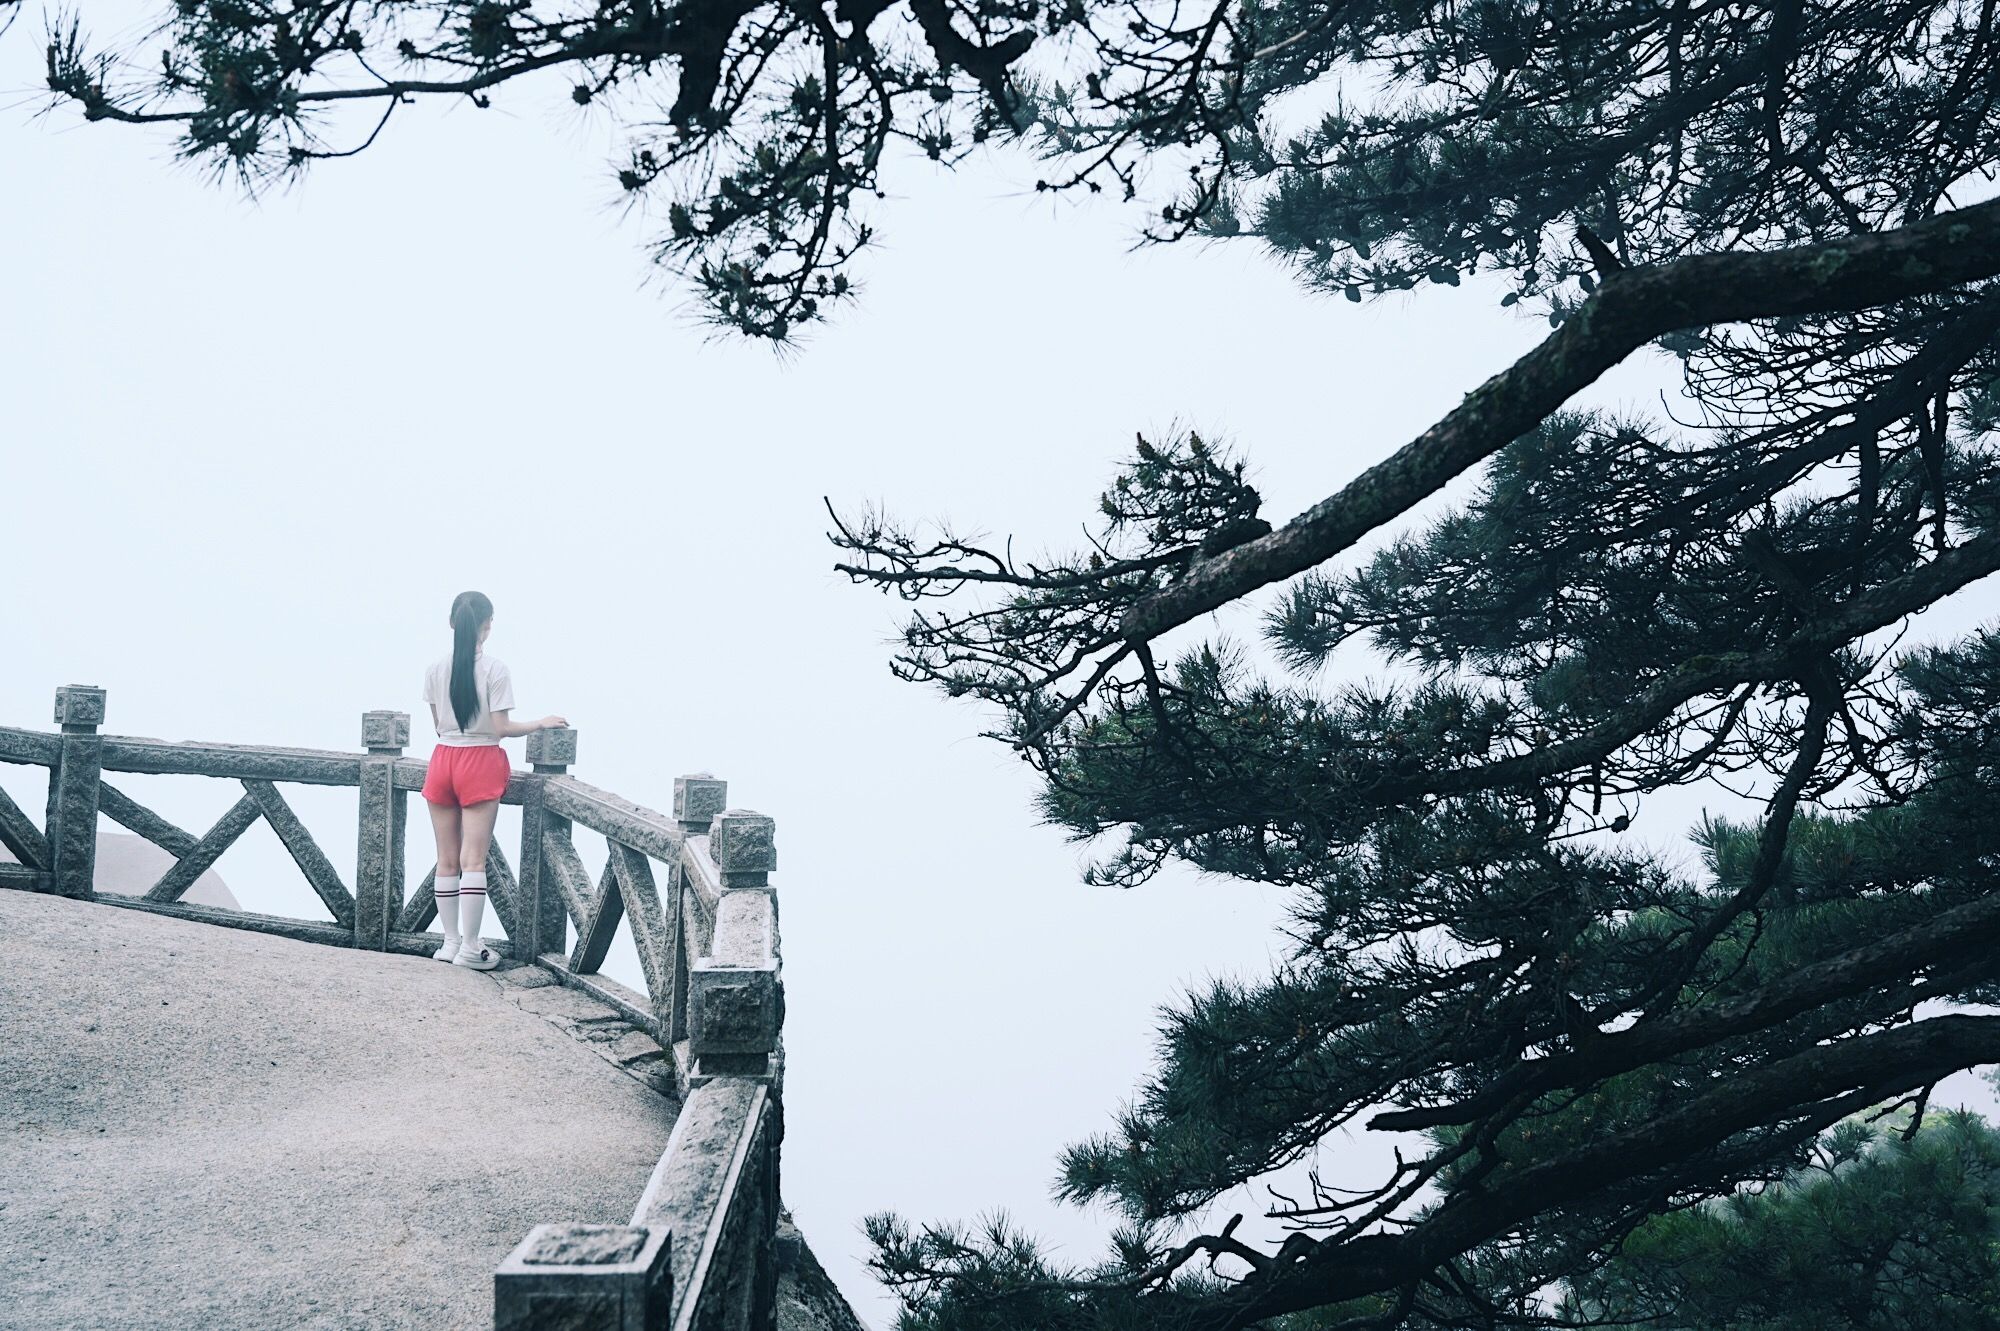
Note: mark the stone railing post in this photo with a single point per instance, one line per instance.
(543, 919)
(72, 809)
(736, 1006)
(698, 797)
(586, 1278)
(378, 858)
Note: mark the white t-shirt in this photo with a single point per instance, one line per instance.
(496, 694)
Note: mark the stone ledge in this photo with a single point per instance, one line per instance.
(633, 1046)
(597, 1026)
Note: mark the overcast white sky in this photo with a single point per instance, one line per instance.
(251, 451)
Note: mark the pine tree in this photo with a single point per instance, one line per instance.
(1590, 1038)
(1483, 951)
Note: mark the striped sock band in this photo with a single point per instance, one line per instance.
(445, 888)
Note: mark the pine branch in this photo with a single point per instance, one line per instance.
(1887, 966)
(1819, 1086)
(1631, 309)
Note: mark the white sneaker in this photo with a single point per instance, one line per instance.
(448, 951)
(478, 957)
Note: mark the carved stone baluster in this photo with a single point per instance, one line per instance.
(744, 846)
(544, 921)
(72, 809)
(697, 799)
(378, 859)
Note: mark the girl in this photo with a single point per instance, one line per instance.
(470, 695)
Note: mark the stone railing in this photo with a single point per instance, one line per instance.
(697, 1254)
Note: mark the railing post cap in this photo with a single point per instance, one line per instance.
(553, 749)
(733, 1011)
(573, 1274)
(79, 707)
(743, 841)
(385, 732)
(698, 797)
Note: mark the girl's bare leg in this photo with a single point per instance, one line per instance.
(445, 823)
(476, 835)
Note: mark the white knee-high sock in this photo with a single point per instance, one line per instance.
(445, 889)
(471, 906)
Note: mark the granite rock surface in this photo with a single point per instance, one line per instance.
(205, 1127)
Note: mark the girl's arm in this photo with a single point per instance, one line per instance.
(506, 727)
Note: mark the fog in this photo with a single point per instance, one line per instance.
(252, 450)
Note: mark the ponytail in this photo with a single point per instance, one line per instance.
(468, 614)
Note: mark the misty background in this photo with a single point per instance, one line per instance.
(250, 451)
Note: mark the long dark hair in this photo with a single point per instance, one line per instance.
(468, 613)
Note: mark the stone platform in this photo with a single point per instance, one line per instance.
(206, 1127)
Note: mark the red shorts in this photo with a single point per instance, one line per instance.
(462, 774)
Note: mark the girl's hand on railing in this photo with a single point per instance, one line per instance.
(550, 723)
